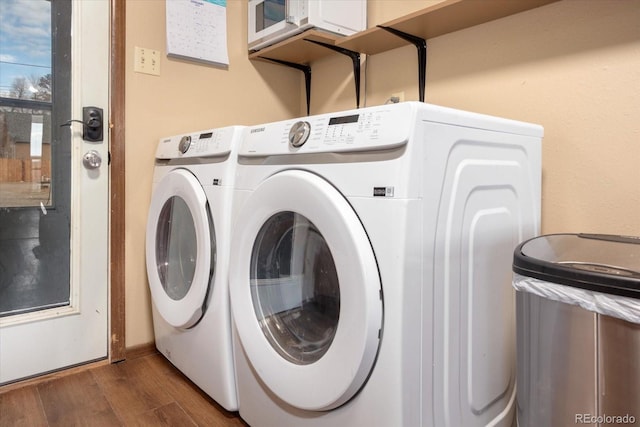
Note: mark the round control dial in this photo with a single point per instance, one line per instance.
(299, 133)
(184, 145)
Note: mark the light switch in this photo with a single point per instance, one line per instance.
(147, 61)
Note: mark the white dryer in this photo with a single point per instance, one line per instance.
(187, 256)
(371, 275)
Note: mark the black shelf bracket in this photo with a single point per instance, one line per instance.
(307, 76)
(421, 45)
(355, 57)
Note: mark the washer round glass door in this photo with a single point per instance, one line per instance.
(180, 249)
(305, 291)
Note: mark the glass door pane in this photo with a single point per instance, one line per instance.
(25, 104)
(34, 155)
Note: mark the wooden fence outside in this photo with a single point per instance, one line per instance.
(24, 170)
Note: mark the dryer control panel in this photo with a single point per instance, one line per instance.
(367, 129)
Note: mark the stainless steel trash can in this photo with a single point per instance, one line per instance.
(578, 330)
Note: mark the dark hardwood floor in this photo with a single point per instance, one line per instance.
(143, 391)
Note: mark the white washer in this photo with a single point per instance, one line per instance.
(371, 274)
(187, 252)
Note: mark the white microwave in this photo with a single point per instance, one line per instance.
(271, 21)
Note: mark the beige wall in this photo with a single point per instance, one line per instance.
(572, 66)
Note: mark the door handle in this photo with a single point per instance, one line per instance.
(91, 160)
(92, 121)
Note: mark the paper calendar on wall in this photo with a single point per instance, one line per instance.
(197, 30)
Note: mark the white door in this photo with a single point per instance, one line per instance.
(72, 328)
(305, 291)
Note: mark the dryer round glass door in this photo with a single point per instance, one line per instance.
(180, 249)
(305, 291)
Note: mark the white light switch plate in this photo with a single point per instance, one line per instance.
(147, 61)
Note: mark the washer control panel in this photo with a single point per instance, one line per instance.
(372, 128)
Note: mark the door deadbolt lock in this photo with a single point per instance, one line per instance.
(91, 160)
(92, 119)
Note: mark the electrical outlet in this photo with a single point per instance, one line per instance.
(147, 61)
(399, 95)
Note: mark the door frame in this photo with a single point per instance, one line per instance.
(117, 337)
